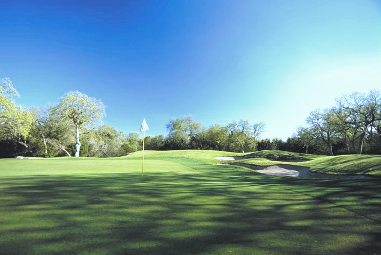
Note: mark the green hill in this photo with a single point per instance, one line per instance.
(346, 164)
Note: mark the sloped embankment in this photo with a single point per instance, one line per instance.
(284, 163)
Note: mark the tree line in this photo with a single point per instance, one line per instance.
(353, 125)
(73, 127)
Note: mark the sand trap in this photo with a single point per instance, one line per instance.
(289, 171)
(304, 172)
(225, 158)
(279, 171)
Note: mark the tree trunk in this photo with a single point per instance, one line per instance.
(45, 146)
(353, 145)
(63, 149)
(243, 150)
(361, 145)
(348, 146)
(77, 143)
(67, 153)
(329, 143)
(23, 144)
(306, 149)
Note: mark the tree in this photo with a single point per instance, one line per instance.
(184, 125)
(352, 126)
(181, 131)
(294, 144)
(242, 126)
(216, 137)
(132, 143)
(360, 115)
(7, 92)
(55, 132)
(276, 143)
(40, 131)
(15, 122)
(323, 127)
(264, 144)
(155, 142)
(81, 110)
(104, 141)
(258, 129)
(177, 141)
(240, 136)
(306, 137)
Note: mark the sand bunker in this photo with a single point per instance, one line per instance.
(279, 171)
(225, 158)
(288, 170)
(304, 172)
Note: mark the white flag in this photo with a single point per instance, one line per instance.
(144, 126)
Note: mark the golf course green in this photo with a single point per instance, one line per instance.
(185, 203)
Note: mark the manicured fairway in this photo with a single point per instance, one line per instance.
(184, 204)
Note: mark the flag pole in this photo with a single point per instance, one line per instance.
(144, 135)
(143, 128)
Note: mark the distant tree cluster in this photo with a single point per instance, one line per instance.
(353, 125)
(186, 133)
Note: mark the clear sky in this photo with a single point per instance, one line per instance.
(215, 60)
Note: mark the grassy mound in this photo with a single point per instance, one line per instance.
(346, 164)
(280, 155)
(343, 164)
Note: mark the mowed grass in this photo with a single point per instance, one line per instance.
(184, 204)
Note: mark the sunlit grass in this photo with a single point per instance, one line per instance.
(347, 164)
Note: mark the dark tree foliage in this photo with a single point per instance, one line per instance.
(9, 149)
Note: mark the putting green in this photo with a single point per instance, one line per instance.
(184, 204)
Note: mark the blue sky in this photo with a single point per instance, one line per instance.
(215, 60)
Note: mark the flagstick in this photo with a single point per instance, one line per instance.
(143, 128)
(144, 135)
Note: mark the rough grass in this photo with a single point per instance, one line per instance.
(182, 205)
